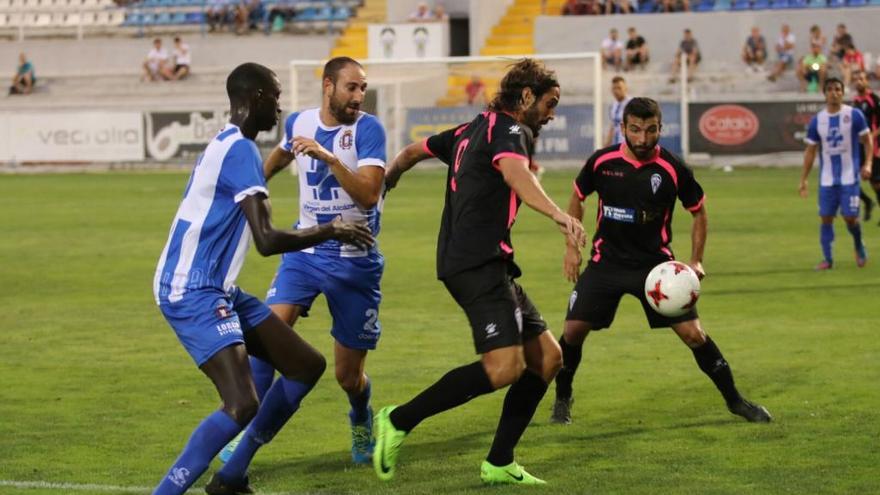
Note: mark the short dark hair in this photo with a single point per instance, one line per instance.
(176, 39)
(245, 80)
(336, 64)
(642, 108)
(527, 73)
(831, 80)
(618, 79)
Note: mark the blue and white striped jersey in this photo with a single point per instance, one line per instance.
(321, 198)
(615, 116)
(838, 138)
(209, 236)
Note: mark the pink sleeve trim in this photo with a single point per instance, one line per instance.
(425, 147)
(508, 154)
(697, 206)
(577, 190)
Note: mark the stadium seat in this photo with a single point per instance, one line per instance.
(874, 2)
(857, 3)
(722, 5)
(797, 4)
(761, 5)
(195, 18)
(741, 5)
(163, 19)
(178, 18)
(705, 6)
(779, 4)
(647, 7)
(836, 4)
(341, 14)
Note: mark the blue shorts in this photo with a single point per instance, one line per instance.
(844, 198)
(351, 286)
(209, 320)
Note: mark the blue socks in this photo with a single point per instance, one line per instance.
(856, 231)
(826, 237)
(263, 374)
(206, 441)
(360, 405)
(279, 404)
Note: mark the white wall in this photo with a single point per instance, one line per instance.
(720, 35)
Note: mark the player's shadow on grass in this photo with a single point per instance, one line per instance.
(799, 288)
(758, 272)
(565, 435)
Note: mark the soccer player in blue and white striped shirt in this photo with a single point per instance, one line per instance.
(225, 204)
(835, 133)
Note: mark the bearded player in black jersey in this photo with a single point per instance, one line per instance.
(488, 176)
(869, 103)
(637, 183)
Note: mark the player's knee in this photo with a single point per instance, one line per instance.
(552, 363)
(694, 337)
(349, 380)
(503, 372)
(242, 409)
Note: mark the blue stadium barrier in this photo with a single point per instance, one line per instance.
(797, 4)
(705, 6)
(857, 3)
(741, 5)
(722, 5)
(779, 4)
(195, 17)
(761, 5)
(836, 3)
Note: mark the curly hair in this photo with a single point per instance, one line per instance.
(527, 73)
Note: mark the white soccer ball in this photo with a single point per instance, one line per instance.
(672, 288)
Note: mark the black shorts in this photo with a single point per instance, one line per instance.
(875, 170)
(598, 291)
(499, 311)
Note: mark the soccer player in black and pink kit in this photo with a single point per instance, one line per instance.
(488, 177)
(637, 183)
(869, 103)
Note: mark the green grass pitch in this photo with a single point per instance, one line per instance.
(95, 389)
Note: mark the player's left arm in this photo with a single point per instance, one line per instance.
(867, 141)
(699, 231)
(405, 160)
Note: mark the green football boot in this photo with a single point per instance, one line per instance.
(512, 474)
(388, 441)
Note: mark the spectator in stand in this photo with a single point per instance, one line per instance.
(157, 66)
(812, 69)
(636, 50)
(440, 14)
(853, 62)
(422, 13)
(182, 59)
(247, 15)
(476, 91)
(216, 13)
(281, 12)
(582, 7)
(842, 41)
(674, 6)
(617, 7)
(784, 52)
(817, 38)
(755, 50)
(612, 51)
(689, 47)
(24, 79)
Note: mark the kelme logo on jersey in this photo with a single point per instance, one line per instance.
(729, 125)
(491, 330)
(626, 215)
(346, 140)
(655, 182)
(514, 129)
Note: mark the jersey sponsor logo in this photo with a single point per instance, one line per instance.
(729, 125)
(656, 179)
(612, 173)
(626, 215)
(514, 129)
(346, 140)
(178, 476)
(229, 327)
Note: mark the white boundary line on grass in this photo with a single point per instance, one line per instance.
(90, 487)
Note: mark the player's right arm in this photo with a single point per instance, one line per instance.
(269, 240)
(812, 140)
(405, 160)
(571, 262)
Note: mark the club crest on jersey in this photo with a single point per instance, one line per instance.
(346, 140)
(655, 182)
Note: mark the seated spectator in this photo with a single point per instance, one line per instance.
(673, 6)
(440, 14)
(247, 15)
(281, 12)
(812, 69)
(422, 13)
(612, 51)
(755, 50)
(216, 13)
(784, 52)
(476, 91)
(618, 7)
(817, 38)
(853, 62)
(842, 41)
(691, 50)
(156, 66)
(24, 79)
(182, 59)
(636, 50)
(581, 7)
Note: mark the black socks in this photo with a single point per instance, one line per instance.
(520, 403)
(571, 358)
(710, 360)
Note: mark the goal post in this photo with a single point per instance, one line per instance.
(414, 98)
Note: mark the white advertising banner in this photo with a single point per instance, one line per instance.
(71, 136)
(409, 40)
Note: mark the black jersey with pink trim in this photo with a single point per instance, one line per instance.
(636, 202)
(869, 104)
(480, 207)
